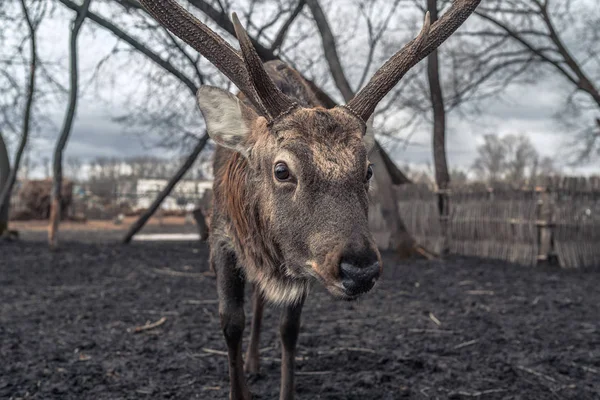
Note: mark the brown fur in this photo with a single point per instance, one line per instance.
(233, 184)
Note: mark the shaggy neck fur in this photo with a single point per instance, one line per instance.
(257, 250)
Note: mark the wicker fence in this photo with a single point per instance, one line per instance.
(557, 221)
(575, 213)
(418, 207)
(498, 223)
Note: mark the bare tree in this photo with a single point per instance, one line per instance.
(489, 164)
(511, 158)
(74, 165)
(15, 62)
(521, 157)
(559, 38)
(442, 176)
(458, 176)
(47, 167)
(55, 205)
(32, 25)
(160, 109)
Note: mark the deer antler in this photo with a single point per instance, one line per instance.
(273, 99)
(247, 73)
(430, 38)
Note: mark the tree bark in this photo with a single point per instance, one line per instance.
(139, 224)
(4, 173)
(56, 203)
(442, 176)
(6, 192)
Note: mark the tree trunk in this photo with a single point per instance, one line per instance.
(139, 224)
(286, 26)
(400, 240)
(4, 172)
(442, 177)
(6, 192)
(55, 205)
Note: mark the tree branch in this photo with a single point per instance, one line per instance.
(286, 26)
(166, 191)
(330, 50)
(118, 32)
(527, 44)
(56, 204)
(7, 189)
(584, 83)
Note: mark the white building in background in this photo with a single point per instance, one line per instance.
(140, 193)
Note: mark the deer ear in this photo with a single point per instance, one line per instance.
(228, 120)
(369, 138)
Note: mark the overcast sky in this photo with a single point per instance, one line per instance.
(529, 110)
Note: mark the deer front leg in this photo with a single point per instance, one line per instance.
(289, 328)
(252, 356)
(230, 289)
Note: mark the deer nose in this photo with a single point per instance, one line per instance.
(359, 277)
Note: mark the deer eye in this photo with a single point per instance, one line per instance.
(369, 172)
(281, 172)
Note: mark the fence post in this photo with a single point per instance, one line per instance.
(443, 196)
(545, 225)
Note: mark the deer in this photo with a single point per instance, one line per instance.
(291, 182)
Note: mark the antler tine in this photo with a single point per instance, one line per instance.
(430, 38)
(274, 100)
(204, 40)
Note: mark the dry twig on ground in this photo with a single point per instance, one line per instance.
(149, 326)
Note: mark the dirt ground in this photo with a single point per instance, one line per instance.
(460, 329)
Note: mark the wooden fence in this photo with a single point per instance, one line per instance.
(496, 223)
(558, 221)
(575, 214)
(418, 208)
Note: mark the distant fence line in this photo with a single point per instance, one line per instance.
(556, 221)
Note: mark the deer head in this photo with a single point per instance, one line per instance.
(306, 169)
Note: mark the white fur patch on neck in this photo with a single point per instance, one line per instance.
(283, 292)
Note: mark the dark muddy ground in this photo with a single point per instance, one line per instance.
(459, 329)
